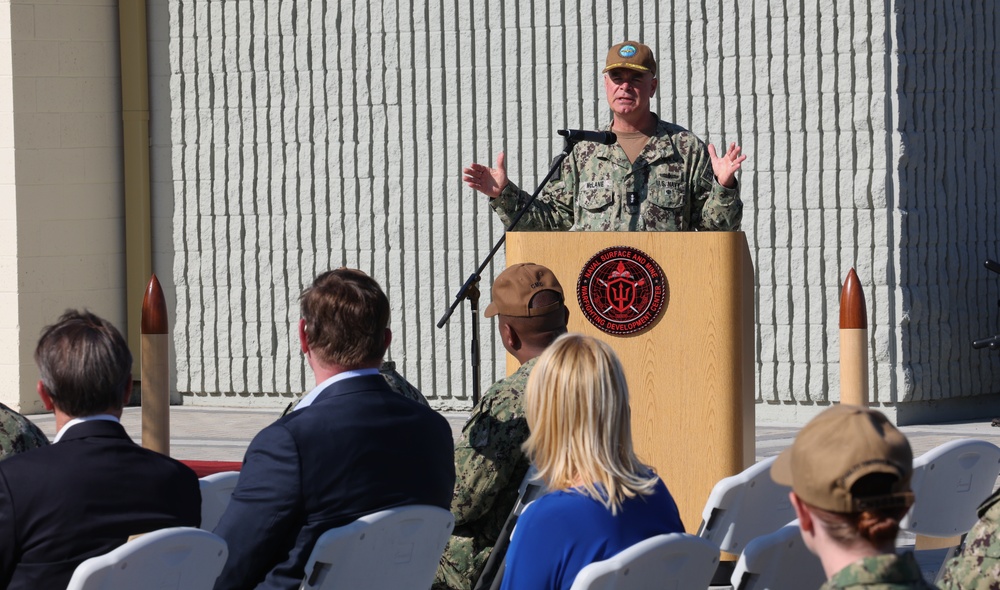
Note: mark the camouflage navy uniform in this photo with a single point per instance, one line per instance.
(399, 384)
(672, 181)
(978, 566)
(882, 572)
(489, 467)
(396, 382)
(18, 434)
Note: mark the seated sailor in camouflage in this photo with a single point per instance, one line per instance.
(978, 566)
(489, 462)
(396, 382)
(18, 434)
(849, 470)
(657, 177)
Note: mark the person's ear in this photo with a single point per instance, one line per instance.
(388, 339)
(303, 340)
(510, 336)
(652, 91)
(128, 391)
(806, 522)
(46, 397)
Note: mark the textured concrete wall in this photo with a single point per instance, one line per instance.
(945, 119)
(296, 136)
(815, 118)
(62, 195)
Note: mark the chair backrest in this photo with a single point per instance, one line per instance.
(745, 506)
(216, 490)
(530, 489)
(179, 558)
(949, 482)
(397, 548)
(778, 561)
(676, 561)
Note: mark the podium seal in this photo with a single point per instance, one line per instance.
(621, 290)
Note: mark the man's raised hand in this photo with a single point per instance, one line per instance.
(489, 181)
(725, 166)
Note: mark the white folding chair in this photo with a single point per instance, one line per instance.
(216, 490)
(778, 561)
(745, 506)
(397, 548)
(179, 558)
(949, 482)
(676, 561)
(530, 489)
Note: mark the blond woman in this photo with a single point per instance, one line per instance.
(603, 498)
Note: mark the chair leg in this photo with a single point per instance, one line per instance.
(951, 554)
(723, 573)
(498, 579)
(493, 570)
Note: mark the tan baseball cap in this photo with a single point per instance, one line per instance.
(837, 448)
(632, 55)
(515, 286)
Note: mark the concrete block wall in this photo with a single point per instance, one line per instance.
(294, 137)
(809, 99)
(61, 188)
(945, 138)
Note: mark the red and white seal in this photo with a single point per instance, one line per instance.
(621, 290)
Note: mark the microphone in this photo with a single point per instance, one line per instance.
(991, 342)
(992, 265)
(577, 135)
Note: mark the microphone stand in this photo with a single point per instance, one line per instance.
(994, 342)
(470, 289)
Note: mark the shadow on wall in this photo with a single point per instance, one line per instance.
(945, 89)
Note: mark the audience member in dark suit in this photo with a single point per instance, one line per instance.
(351, 447)
(91, 489)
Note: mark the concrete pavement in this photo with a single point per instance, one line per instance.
(222, 434)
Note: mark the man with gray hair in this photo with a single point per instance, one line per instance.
(655, 176)
(92, 488)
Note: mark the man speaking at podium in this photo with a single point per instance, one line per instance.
(654, 175)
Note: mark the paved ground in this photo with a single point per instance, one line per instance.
(222, 434)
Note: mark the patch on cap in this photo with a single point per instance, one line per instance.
(627, 50)
(631, 55)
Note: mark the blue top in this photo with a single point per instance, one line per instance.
(563, 531)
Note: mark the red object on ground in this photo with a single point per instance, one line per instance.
(203, 468)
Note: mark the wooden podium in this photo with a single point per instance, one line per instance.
(690, 373)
